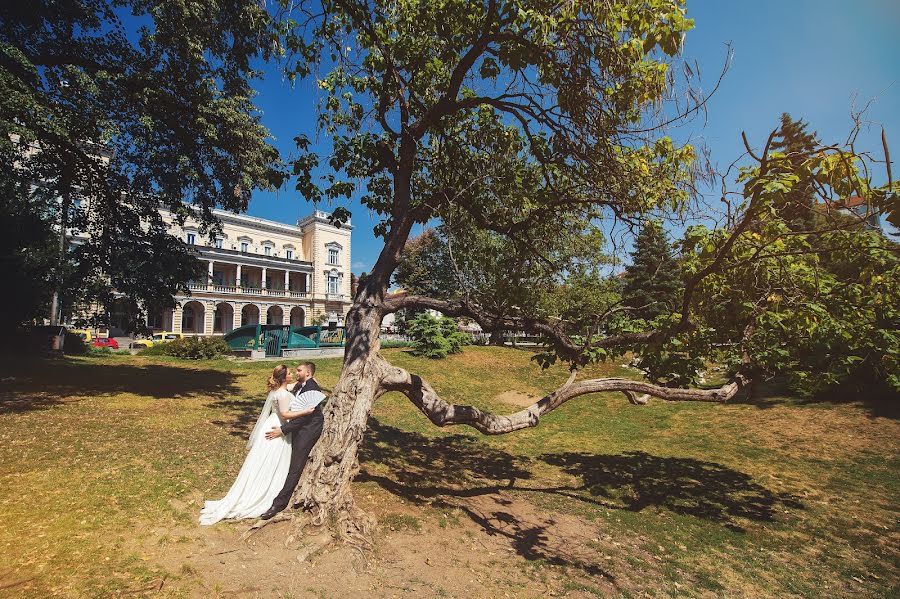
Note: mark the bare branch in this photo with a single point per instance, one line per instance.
(441, 413)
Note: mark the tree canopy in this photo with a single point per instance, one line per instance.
(112, 109)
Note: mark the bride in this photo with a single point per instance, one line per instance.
(266, 465)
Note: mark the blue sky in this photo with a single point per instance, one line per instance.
(810, 58)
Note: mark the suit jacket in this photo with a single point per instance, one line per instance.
(298, 423)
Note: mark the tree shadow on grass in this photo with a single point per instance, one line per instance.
(636, 480)
(451, 471)
(239, 413)
(442, 471)
(42, 383)
(878, 401)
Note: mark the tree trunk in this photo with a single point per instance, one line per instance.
(324, 487)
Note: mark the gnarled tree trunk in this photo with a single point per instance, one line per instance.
(324, 487)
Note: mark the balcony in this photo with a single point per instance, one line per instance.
(257, 291)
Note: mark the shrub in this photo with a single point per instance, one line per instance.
(190, 348)
(436, 337)
(75, 346)
(158, 349)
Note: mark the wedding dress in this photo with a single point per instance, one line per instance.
(264, 471)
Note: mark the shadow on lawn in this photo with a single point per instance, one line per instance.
(442, 471)
(878, 401)
(39, 384)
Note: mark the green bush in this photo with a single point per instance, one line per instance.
(436, 337)
(189, 348)
(158, 349)
(75, 346)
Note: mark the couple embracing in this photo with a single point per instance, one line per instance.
(288, 426)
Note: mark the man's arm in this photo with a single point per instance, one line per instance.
(289, 426)
(297, 413)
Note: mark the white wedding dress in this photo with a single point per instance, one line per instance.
(264, 471)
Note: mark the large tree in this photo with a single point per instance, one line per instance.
(513, 114)
(111, 109)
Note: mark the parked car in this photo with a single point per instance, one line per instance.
(105, 342)
(157, 338)
(85, 334)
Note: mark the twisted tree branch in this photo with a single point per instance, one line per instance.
(441, 413)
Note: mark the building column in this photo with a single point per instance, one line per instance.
(209, 274)
(237, 282)
(308, 284)
(177, 313)
(209, 318)
(236, 317)
(287, 279)
(263, 283)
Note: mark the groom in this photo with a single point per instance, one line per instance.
(306, 430)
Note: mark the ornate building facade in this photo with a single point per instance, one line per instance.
(263, 271)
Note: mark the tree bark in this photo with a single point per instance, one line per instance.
(324, 488)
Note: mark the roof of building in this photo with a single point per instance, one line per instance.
(853, 202)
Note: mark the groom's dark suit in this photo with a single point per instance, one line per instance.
(306, 431)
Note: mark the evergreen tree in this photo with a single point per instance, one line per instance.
(793, 140)
(653, 281)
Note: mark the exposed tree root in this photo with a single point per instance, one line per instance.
(356, 527)
(260, 524)
(638, 401)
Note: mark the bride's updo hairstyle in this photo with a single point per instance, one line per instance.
(277, 378)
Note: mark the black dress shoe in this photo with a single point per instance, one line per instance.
(269, 514)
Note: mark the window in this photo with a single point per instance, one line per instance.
(332, 255)
(187, 320)
(191, 238)
(268, 250)
(245, 247)
(289, 254)
(154, 319)
(333, 285)
(219, 242)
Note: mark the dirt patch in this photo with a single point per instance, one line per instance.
(516, 398)
(495, 545)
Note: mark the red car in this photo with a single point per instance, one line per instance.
(105, 342)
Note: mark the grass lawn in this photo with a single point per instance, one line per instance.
(104, 462)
